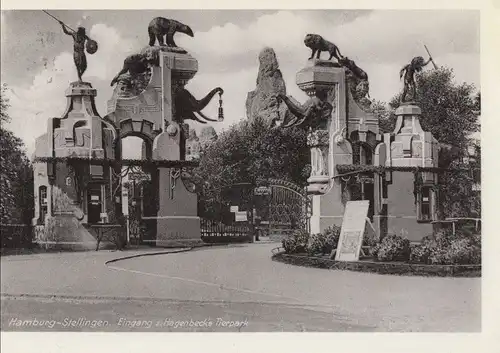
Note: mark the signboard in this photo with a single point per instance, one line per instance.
(366, 179)
(351, 233)
(262, 190)
(241, 216)
(233, 208)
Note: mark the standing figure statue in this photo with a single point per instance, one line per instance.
(79, 38)
(409, 72)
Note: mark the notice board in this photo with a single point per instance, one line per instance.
(241, 216)
(352, 231)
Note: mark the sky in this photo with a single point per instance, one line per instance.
(37, 65)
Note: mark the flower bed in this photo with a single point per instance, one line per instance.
(442, 254)
(388, 268)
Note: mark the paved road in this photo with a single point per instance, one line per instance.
(239, 287)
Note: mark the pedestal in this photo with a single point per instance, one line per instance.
(178, 223)
(411, 146)
(327, 209)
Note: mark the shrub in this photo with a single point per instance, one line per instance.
(446, 249)
(55, 230)
(392, 248)
(370, 239)
(462, 251)
(325, 242)
(296, 242)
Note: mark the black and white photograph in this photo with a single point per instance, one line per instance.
(241, 170)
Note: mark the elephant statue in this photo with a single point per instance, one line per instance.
(186, 105)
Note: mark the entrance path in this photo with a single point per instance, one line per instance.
(235, 282)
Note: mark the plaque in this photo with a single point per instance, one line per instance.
(262, 190)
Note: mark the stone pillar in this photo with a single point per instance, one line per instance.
(178, 223)
(327, 142)
(78, 132)
(411, 147)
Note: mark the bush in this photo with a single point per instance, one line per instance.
(446, 249)
(421, 253)
(392, 248)
(56, 229)
(370, 238)
(325, 242)
(296, 242)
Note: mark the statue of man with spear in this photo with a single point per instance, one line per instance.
(80, 39)
(409, 71)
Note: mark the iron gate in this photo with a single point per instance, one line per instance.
(289, 209)
(142, 207)
(225, 214)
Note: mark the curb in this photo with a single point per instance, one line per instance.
(383, 268)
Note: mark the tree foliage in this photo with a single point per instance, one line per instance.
(385, 115)
(251, 152)
(16, 173)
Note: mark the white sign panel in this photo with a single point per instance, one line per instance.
(352, 231)
(241, 216)
(233, 208)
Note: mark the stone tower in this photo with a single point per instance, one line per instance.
(79, 133)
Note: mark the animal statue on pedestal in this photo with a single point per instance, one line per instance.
(315, 112)
(186, 105)
(358, 80)
(134, 64)
(159, 27)
(355, 69)
(409, 71)
(318, 44)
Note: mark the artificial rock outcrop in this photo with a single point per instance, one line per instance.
(261, 102)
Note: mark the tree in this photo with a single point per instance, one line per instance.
(385, 115)
(16, 173)
(251, 152)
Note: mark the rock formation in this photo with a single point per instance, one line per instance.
(192, 144)
(195, 144)
(262, 102)
(207, 136)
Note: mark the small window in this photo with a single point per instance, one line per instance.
(424, 204)
(42, 194)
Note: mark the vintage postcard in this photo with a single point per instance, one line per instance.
(256, 170)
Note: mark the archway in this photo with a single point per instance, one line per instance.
(362, 187)
(138, 188)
